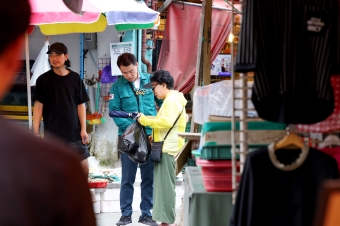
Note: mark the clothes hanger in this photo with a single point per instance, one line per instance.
(329, 141)
(291, 141)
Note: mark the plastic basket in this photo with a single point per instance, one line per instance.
(215, 167)
(213, 151)
(97, 184)
(197, 153)
(218, 183)
(191, 162)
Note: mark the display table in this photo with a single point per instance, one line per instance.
(202, 208)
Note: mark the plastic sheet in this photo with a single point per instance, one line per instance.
(41, 64)
(216, 99)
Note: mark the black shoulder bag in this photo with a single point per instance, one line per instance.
(157, 147)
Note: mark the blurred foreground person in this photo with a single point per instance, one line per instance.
(41, 182)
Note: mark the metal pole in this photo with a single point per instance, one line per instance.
(139, 50)
(243, 120)
(28, 78)
(81, 55)
(233, 127)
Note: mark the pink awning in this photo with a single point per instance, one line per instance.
(55, 11)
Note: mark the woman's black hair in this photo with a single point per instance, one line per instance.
(163, 76)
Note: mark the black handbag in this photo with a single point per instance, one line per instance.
(157, 147)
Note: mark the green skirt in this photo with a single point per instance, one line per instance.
(164, 190)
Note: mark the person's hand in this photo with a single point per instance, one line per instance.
(138, 116)
(84, 137)
(133, 115)
(150, 138)
(186, 118)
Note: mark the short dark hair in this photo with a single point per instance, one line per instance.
(15, 18)
(126, 59)
(163, 76)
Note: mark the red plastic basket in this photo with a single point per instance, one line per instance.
(219, 183)
(217, 174)
(215, 167)
(97, 184)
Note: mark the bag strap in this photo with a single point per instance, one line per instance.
(133, 90)
(173, 124)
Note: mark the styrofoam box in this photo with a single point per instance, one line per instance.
(107, 206)
(97, 195)
(109, 195)
(96, 207)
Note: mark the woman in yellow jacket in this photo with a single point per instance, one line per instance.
(162, 83)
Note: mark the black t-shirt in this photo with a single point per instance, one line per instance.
(269, 196)
(60, 96)
(42, 181)
(293, 48)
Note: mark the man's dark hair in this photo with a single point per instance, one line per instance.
(163, 76)
(68, 63)
(15, 18)
(126, 59)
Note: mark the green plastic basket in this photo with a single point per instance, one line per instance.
(213, 151)
(197, 153)
(191, 162)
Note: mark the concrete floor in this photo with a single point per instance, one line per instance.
(110, 219)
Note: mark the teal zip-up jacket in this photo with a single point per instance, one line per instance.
(122, 98)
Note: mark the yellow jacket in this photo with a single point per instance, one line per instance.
(172, 106)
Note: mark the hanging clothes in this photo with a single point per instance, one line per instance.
(278, 190)
(333, 151)
(332, 123)
(293, 48)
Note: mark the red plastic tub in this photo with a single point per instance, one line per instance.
(100, 184)
(219, 184)
(217, 175)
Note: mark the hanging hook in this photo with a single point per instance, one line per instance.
(183, 5)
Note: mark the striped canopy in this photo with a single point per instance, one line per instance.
(54, 18)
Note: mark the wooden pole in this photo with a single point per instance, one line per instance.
(202, 76)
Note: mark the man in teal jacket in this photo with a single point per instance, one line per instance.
(123, 98)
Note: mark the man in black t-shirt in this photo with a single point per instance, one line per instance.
(42, 182)
(59, 98)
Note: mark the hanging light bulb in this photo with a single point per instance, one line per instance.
(230, 37)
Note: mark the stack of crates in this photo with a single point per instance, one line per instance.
(215, 155)
(215, 164)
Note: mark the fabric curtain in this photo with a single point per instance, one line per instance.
(178, 53)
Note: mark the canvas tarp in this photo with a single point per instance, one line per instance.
(178, 53)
